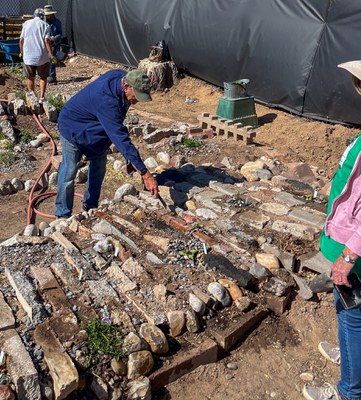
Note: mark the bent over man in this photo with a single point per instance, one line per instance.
(89, 123)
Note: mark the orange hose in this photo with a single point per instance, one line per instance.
(33, 200)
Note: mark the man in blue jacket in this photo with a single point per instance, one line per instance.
(55, 39)
(89, 123)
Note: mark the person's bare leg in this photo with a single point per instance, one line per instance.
(31, 84)
(42, 87)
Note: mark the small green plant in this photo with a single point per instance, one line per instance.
(2, 136)
(9, 145)
(16, 70)
(191, 143)
(55, 136)
(56, 101)
(21, 95)
(104, 338)
(26, 135)
(7, 157)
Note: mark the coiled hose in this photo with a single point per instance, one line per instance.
(34, 199)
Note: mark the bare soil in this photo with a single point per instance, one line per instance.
(271, 359)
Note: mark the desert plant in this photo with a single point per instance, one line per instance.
(25, 135)
(191, 143)
(56, 101)
(21, 95)
(9, 145)
(7, 157)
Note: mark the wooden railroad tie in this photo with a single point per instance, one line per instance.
(227, 127)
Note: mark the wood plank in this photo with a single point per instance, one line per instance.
(230, 334)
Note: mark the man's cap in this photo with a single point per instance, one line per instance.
(354, 68)
(48, 10)
(39, 12)
(140, 82)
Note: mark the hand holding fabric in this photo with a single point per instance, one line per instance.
(54, 60)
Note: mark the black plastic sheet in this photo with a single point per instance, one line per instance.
(288, 49)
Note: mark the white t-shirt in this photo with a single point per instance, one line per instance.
(34, 50)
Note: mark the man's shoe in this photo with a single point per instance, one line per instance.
(52, 81)
(330, 351)
(327, 392)
(41, 100)
(87, 208)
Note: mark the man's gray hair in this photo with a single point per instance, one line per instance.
(39, 12)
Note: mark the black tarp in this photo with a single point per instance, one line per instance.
(288, 49)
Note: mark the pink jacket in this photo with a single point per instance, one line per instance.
(343, 223)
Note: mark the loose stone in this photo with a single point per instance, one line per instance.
(118, 367)
(133, 343)
(140, 389)
(6, 393)
(139, 364)
(232, 365)
(155, 338)
(197, 305)
(220, 293)
(192, 322)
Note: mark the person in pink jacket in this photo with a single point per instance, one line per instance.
(340, 243)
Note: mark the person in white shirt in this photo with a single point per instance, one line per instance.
(35, 48)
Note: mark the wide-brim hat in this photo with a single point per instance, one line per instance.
(48, 10)
(140, 83)
(354, 68)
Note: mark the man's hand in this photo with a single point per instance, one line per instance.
(54, 60)
(341, 269)
(150, 183)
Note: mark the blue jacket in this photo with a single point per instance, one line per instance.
(93, 119)
(55, 28)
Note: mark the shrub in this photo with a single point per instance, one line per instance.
(21, 95)
(9, 145)
(25, 135)
(7, 157)
(191, 143)
(56, 101)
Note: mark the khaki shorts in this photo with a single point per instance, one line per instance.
(43, 70)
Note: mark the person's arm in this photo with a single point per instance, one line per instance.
(21, 45)
(56, 32)
(48, 47)
(111, 118)
(47, 35)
